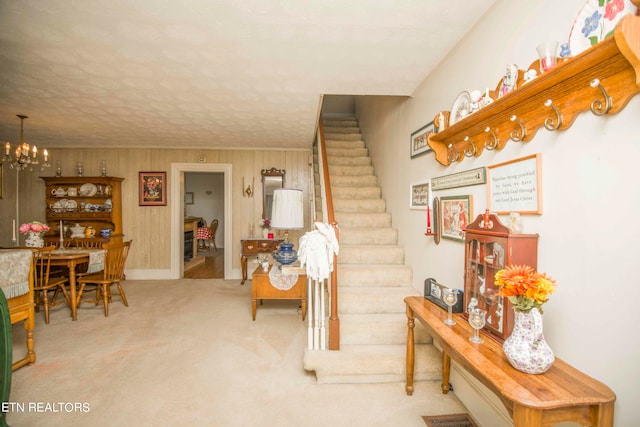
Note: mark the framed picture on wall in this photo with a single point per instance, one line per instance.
(419, 140)
(454, 216)
(152, 188)
(188, 198)
(516, 186)
(419, 195)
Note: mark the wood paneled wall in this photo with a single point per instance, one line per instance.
(149, 227)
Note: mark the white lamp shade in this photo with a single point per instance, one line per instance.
(288, 209)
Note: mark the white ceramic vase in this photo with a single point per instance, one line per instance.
(265, 232)
(34, 240)
(525, 348)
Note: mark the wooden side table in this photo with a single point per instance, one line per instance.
(261, 288)
(561, 394)
(252, 247)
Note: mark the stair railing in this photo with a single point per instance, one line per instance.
(327, 200)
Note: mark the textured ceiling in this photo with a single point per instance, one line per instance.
(208, 73)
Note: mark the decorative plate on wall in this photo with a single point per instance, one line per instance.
(594, 23)
(461, 108)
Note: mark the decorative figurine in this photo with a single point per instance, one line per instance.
(510, 80)
(530, 75)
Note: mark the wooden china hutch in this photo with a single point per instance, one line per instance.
(94, 201)
(489, 247)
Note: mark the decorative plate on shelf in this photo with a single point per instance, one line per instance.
(71, 206)
(594, 23)
(88, 190)
(461, 108)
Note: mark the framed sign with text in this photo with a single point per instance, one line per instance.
(515, 186)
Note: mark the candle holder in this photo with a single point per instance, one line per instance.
(58, 167)
(450, 297)
(80, 169)
(103, 168)
(429, 231)
(477, 320)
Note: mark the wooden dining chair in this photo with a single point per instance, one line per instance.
(43, 282)
(212, 233)
(115, 257)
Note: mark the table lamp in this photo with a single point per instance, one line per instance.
(287, 214)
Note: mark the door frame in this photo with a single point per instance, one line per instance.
(177, 213)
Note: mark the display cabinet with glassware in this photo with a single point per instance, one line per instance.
(87, 206)
(489, 247)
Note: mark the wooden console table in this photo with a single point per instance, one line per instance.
(561, 394)
(261, 288)
(252, 247)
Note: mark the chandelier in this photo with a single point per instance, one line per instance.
(24, 156)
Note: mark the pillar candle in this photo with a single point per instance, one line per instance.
(61, 232)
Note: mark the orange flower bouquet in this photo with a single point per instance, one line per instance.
(525, 287)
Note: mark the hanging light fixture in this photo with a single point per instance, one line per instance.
(25, 156)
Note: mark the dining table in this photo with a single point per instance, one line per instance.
(71, 258)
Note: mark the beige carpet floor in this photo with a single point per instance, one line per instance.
(186, 353)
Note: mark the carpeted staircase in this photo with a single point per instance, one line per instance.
(372, 278)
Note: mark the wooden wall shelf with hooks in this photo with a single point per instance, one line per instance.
(602, 79)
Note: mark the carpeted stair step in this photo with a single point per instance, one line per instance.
(330, 138)
(347, 152)
(356, 193)
(366, 236)
(332, 130)
(353, 180)
(366, 275)
(340, 122)
(373, 364)
(348, 161)
(378, 328)
(362, 206)
(374, 300)
(350, 170)
(342, 145)
(345, 219)
(371, 254)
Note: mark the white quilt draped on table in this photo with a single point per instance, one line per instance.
(316, 251)
(15, 265)
(96, 261)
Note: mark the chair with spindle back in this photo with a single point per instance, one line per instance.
(212, 233)
(43, 283)
(115, 257)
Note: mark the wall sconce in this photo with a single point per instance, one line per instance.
(248, 190)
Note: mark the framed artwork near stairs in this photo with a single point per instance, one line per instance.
(455, 213)
(419, 196)
(419, 140)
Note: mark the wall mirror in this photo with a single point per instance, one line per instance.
(271, 179)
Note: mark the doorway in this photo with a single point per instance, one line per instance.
(178, 171)
(204, 199)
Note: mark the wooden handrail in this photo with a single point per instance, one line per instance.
(334, 320)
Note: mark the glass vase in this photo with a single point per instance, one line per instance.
(525, 348)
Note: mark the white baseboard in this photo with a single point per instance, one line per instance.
(148, 274)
